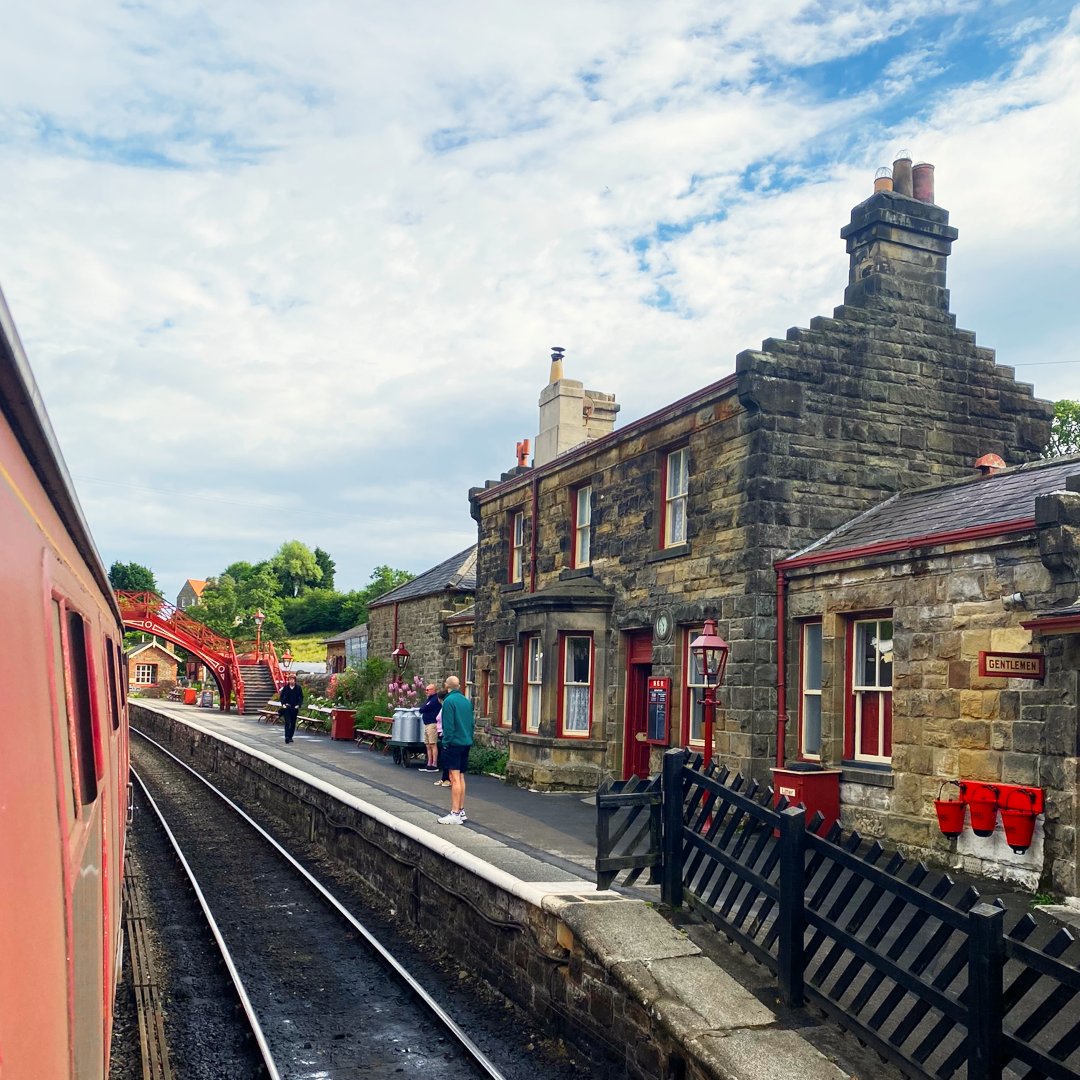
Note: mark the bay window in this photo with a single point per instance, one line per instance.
(534, 678)
(506, 687)
(576, 688)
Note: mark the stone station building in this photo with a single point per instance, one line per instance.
(417, 614)
(597, 566)
(887, 625)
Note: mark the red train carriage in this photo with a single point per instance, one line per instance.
(63, 755)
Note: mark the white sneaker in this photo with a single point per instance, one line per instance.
(452, 818)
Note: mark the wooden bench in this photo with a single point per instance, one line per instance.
(270, 712)
(319, 720)
(375, 737)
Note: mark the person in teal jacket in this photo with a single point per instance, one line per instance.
(457, 724)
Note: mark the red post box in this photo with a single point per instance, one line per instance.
(342, 723)
(810, 786)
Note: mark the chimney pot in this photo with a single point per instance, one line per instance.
(901, 173)
(922, 182)
(989, 464)
(883, 179)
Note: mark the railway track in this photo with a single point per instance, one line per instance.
(319, 994)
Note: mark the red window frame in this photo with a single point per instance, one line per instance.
(505, 717)
(804, 693)
(515, 570)
(689, 703)
(665, 541)
(850, 748)
(576, 524)
(527, 727)
(564, 639)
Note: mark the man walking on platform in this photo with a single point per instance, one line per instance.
(458, 724)
(292, 697)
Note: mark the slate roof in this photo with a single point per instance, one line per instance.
(456, 574)
(352, 632)
(977, 503)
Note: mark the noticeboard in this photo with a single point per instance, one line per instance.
(659, 701)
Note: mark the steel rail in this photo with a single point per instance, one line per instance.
(474, 1052)
(234, 974)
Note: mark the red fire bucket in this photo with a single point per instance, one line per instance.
(950, 816)
(1019, 828)
(983, 816)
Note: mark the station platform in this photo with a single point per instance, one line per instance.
(534, 836)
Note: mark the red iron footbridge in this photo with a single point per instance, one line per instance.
(225, 659)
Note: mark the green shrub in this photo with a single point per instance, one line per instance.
(366, 711)
(486, 759)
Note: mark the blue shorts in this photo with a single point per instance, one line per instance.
(455, 758)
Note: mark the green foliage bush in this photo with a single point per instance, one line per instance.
(486, 759)
(366, 711)
(364, 683)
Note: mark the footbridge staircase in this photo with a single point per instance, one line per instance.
(246, 670)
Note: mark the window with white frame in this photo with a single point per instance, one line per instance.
(146, 674)
(583, 526)
(810, 691)
(468, 672)
(577, 685)
(675, 488)
(534, 677)
(695, 685)
(506, 687)
(869, 712)
(517, 546)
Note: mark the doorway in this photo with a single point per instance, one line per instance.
(638, 669)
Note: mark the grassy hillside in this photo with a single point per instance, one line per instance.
(306, 647)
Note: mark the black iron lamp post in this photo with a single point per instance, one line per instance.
(400, 656)
(711, 651)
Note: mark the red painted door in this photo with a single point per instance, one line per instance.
(638, 669)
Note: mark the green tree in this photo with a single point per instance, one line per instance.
(327, 566)
(296, 568)
(1064, 430)
(132, 576)
(383, 579)
(315, 610)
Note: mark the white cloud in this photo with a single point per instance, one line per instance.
(330, 316)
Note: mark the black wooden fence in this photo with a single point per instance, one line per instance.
(909, 961)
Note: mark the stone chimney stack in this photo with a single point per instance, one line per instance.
(899, 241)
(570, 415)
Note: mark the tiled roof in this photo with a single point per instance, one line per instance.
(196, 585)
(981, 502)
(456, 574)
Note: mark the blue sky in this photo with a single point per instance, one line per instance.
(293, 271)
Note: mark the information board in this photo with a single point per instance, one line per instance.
(659, 698)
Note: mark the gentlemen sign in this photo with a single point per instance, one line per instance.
(1011, 665)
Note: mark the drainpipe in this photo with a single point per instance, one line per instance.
(535, 528)
(394, 637)
(781, 669)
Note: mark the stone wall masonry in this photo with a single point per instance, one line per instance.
(420, 625)
(601, 971)
(948, 722)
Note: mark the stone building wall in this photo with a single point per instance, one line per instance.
(948, 723)
(885, 395)
(420, 625)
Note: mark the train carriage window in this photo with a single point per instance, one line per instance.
(62, 717)
(80, 699)
(120, 666)
(114, 696)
